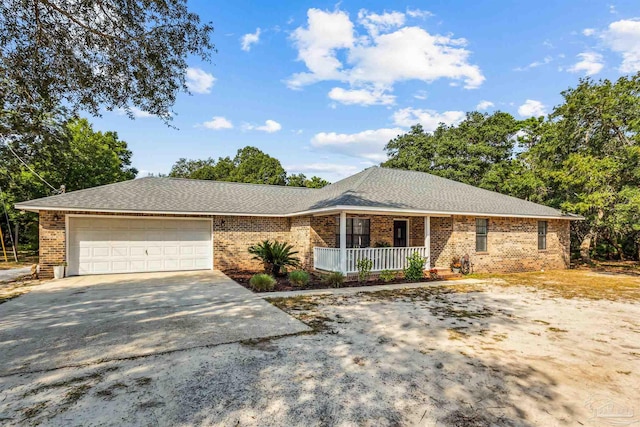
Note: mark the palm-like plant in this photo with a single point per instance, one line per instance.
(274, 255)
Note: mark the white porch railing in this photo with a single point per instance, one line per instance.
(328, 259)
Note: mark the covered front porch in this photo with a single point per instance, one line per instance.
(344, 238)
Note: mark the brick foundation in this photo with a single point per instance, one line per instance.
(512, 242)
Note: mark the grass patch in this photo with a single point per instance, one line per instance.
(305, 309)
(61, 384)
(554, 329)
(76, 393)
(581, 283)
(14, 288)
(142, 381)
(457, 334)
(34, 410)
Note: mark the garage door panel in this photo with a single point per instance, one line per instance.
(201, 263)
(120, 251)
(186, 250)
(137, 250)
(154, 251)
(127, 245)
(170, 250)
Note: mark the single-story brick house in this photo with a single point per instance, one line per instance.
(167, 224)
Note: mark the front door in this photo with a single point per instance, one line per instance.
(400, 233)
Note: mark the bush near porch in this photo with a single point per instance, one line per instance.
(317, 280)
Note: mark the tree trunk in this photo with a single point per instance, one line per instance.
(585, 248)
(618, 249)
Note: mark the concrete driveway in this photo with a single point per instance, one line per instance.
(82, 320)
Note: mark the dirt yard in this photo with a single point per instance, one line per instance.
(521, 350)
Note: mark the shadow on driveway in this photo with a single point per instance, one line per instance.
(89, 319)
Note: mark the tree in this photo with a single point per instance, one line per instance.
(584, 158)
(316, 182)
(300, 180)
(297, 180)
(465, 152)
(254, 166)
(590, 152)
(77, 157)
(61, 57)
(184, 168)
(249, 165)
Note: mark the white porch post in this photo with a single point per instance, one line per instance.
(343, 242)
(427, 239)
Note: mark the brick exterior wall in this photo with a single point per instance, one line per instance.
(512, 242)
(51, 227)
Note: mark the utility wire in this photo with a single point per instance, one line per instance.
(29, 167)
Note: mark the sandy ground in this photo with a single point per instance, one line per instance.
(471, 355)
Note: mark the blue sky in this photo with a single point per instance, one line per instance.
(323, 86)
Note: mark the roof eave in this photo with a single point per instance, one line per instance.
(320, 211)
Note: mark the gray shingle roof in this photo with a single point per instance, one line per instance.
(373, 188)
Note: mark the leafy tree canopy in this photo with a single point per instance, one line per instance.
(249, 165)
(584, 158)
(60, 57)
(77, 157)
(464, 152)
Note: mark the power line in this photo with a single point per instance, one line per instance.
(6, 143)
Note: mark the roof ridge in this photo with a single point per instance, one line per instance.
(476, 188)
(365, 174)
(228, 182)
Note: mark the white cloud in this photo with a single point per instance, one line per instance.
(590, 62)
(421, 94)
(375, 23)
(588, 32)
(624, 37)
(429, 119)
(217, 123)
(418, 13)
(316, 44)
(361, 96)
(388, 54)
(535, 64)
(135, 111)
(531, 108)
(199, 81)
(248, 39)
(411, 53)
(368, 144)
(324, 169)
(270, 126)
(484, 105)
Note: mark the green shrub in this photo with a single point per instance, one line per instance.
(381, 244)
(299, 278)
(275, 256)
(414, 271)
(388, 275)
(262, 282)
(364, 266)
(335, 279)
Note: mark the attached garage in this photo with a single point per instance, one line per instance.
(109, 244)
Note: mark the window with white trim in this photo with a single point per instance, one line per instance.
(482, 230)
(542, 235)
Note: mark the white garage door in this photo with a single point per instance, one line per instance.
(100, 245)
